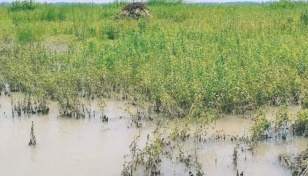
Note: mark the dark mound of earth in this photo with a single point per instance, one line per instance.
(134, 10)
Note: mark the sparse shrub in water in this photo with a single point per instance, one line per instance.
(300, 126)
(282, 118)
(32, 136)
(261, 125)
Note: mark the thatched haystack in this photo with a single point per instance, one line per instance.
(134, 10)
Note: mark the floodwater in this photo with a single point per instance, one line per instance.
(88, 146)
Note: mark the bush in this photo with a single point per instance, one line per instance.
(111, 32)
(304, 100)
(51, 13)
(22, 5)
(283, 4)
(28, 34)
(304, 17)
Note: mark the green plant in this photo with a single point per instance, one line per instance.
(260, 126)
(111, 32)
(283, 4)
(300, 127)
(162, 2)
(304, 17)
(25, 34)
(22, 5)
(188, 60)
(282, 118)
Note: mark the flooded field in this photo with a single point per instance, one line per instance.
(183, 89)
(88, 146)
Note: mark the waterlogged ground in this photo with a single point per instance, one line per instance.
(88, 146)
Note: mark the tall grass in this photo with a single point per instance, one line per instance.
(185, 58)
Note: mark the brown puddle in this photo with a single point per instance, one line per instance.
(87, 146)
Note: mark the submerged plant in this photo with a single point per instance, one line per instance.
(162, 148)
(260, 126)
(300, 127)
(282, 118)
(32, 137)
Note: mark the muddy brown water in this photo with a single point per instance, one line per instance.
(68, 146)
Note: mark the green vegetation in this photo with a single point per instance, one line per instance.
(301, 124)
(186, 59)
(260, 126)
(22, 5)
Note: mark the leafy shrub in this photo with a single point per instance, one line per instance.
(28, 34)
(111, 32)
(49, 15)
(53, 14)
(22, 5)
(283, 4)
(304, 17)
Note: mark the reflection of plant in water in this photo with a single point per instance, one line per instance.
(235, 155)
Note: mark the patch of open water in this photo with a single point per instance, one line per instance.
(68, 146)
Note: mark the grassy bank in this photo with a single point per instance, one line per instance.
(185, 59)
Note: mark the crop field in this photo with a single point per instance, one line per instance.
(169, 75)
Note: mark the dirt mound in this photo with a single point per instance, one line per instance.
(134, 10)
